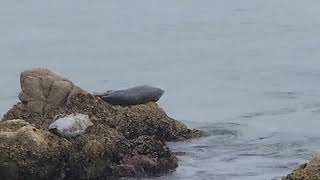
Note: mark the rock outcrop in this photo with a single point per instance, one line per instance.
(43, 90)
(308, 171)
(122, 142)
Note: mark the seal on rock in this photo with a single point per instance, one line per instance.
(132, 96)
(120, 142)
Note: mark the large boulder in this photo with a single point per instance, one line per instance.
(120, 141)
(308, 171)
(43, 90)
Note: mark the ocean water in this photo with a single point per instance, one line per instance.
(246, 71)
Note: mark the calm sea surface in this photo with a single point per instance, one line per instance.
(248, 71)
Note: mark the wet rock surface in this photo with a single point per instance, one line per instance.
(308, 171)
(122, 142)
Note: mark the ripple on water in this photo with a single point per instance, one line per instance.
(227, 154)
(281, 111)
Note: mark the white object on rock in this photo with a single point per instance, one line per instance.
(72, 125)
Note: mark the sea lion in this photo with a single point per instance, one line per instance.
(132, 96)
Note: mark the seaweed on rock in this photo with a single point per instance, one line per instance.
(122, 142)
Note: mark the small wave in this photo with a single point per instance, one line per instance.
(283, 94)
(282, 111)
(240, 10)
(225, 128)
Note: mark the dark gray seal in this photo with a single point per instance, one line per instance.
(132, 96)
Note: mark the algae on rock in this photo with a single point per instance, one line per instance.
(308, 171)
(123, 141)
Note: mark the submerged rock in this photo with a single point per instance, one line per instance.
(308, 171)
(71, 126)
(123, 141)
(132, 96)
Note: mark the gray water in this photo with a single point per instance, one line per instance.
(246, 71)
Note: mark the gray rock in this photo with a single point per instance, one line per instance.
(132, 96)
(71, 126)
(44, 90)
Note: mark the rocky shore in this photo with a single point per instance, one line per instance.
(123, 141)
(308, 171)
